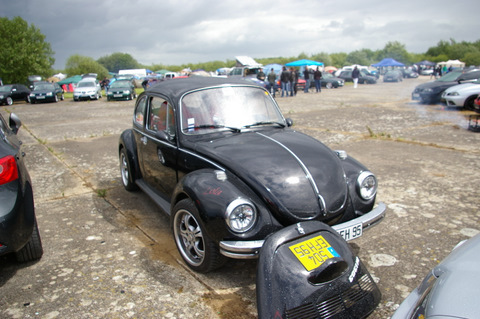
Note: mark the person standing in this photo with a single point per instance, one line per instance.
(355, 76)
(272, 79)
(285, 81)
(317, 76)
(293, 81)
(306, 76)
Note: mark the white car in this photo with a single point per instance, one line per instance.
(462, 95)
(87, 88)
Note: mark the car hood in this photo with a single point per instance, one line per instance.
(464, 88)
(42, 91)
(436, 85)
(299, 177)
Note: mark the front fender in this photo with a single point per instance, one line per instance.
(127, 141)
(212, 191)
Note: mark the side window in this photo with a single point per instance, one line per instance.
(140, 111)
(161, 116)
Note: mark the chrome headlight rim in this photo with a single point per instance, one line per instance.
(240, 215)
(367, 185)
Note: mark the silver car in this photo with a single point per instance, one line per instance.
(87, 89)
(450, 290)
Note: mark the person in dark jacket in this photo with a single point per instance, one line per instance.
(317, 76)
(285, 81)
(355, 76)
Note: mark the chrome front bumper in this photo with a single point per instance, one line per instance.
(250, 249)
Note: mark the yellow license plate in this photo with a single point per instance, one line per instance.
(312, 253)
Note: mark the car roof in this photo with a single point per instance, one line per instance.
(175, 88)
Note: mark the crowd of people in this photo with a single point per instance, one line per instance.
(289, 80)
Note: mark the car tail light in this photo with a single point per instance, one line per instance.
(8, 169)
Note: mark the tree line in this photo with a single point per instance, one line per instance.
(25, 52)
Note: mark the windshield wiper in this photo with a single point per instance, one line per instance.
(213, 126)
(265, 123)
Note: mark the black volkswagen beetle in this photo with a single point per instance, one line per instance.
(217, 155)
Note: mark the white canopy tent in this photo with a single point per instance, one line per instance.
(452, 63)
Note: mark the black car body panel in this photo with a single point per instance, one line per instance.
(17, 213)
(13, 92)
(347, 76)
(193, 153)
(431, 92)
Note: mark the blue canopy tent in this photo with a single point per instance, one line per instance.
(388, 62)
(303, 62)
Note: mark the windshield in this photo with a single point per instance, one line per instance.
(119, 84)
(85, 84)
(449, 77)
(44, 86)
(5, 88)
(228, 108)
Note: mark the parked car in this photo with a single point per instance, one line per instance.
(431, 92)
(328, 81)
(121, 90)
(13, 92)
(450, 289)
(46, 92)
(19, 231)
(462, 95)
(219, 158)
(87, 89)
(347, 77)
(409, 73)
(393, 76)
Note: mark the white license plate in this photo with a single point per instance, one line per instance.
(351, 232)
(416, 96)
(40, 97)
(117, 95)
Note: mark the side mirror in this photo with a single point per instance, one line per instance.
(14, 122)
(289, 122)
(164, 136)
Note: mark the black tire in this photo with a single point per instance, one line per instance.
(33, 249)
(329, 85)
(126, 172)
(470, 103)
(56, 98)
(199, 252)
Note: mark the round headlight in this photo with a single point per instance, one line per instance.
(367, 185)
(240, 215)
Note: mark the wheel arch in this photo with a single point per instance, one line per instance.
(127, 142)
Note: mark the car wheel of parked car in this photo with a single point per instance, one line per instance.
(33, 249)
(469, 103)
(62, 97)
(9, 101)
(56, 98)
(329, 85)
(196, 248)
(126, 172)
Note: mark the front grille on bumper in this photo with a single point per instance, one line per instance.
(337, 306)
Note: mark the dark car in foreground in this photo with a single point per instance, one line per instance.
(13, 92)
(450, 289)
(431, 92)
(19, 231)
(121, 90)
(346, 75)
(46, 92)
(219, 158)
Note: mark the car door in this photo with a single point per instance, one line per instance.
(158, 148)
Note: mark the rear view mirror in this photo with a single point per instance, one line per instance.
(14, 122)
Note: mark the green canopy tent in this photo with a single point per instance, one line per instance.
(67, 84)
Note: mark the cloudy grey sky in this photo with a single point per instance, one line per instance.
(190, 31)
